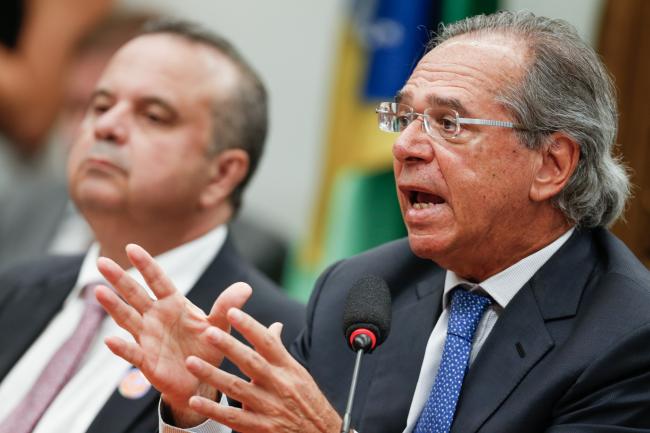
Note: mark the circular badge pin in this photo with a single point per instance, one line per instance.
(134, 385)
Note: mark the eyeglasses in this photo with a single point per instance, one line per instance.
(438, 122)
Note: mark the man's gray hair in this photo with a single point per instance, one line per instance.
(565, 88)
(240, 119)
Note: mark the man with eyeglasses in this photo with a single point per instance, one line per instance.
(514, 309)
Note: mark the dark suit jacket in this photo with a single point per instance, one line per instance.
(582, 323)
(32, 294)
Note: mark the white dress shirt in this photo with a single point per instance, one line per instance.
(502, 287)
(207, 426)
(78, 403)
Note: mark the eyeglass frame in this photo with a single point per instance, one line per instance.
(458, 120)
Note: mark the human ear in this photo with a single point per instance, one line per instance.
(227, 170)
(559, 159)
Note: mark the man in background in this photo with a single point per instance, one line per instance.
(174, 130)
(37, 216)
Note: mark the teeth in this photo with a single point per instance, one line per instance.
(423, 205)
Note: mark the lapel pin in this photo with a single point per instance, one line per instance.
(134, 385)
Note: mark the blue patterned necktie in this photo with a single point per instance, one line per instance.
(466, 311)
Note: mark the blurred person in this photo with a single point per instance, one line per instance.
(11, 18)
(37, 216)
(174, 130)
(34, 59)
(514, 309)
(37, 41)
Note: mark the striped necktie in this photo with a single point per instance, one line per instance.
(58, 371)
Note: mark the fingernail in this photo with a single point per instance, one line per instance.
(106, 263)
(236, 314)
(192, 361)
(214, 334)
(134, 251)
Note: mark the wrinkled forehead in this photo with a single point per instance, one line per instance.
(466, 69)
(501, 45)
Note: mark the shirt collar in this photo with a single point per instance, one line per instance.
(183, 264)
(502, 287)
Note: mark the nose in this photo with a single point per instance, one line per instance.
(414, 144)
(112, 125)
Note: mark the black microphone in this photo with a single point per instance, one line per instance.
(366, 324)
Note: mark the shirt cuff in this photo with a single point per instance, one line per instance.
(208, 426)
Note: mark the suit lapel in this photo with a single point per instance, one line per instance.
(499, 367)
(30, 310)
(520, 338)
(396, 365)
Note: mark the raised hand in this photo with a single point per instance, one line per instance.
(77, 16)
(166, 330)
(281, 397)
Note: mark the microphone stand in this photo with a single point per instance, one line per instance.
(363, 343)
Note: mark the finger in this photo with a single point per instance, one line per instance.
(276, 330)
(236, 419)
(234, 296)
(153, 274)
(264, 340)
(229, 384)
(128, 351)
(121, 312)
(251, 363)
(124, 284)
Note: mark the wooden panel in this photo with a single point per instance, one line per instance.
(625, 47)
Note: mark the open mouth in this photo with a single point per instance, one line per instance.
(424, 200)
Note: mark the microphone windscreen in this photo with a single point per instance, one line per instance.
(368, 306)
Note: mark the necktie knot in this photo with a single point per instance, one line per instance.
(88, 292)
(465, 314)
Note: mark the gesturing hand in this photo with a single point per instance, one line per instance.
(281, 397)
(166, 330)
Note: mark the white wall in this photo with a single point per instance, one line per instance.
(583, 14)
(292, 45)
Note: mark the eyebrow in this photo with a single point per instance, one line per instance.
(147, 100)
(433, 100)
(155, 100)
(452, 103)
(100, 92)
(401, 94)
